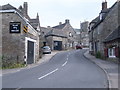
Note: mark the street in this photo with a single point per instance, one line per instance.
(68, 69)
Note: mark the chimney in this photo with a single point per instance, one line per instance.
(104, 5)
(37, 16)
(60, 23)
(20, 8)
(67, 21)
(25, 6)
(48, 27)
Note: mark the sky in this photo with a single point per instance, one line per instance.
(51, 12)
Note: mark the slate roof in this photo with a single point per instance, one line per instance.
(7, 7)
(77, 30)
(59, 26)
(114, 35)
(45, 30)
(34, 22)
(97, 20)
(56, 32)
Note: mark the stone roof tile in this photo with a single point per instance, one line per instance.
(114, 35)
(59, 26)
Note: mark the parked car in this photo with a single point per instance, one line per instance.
(78, 47)
(46, 50)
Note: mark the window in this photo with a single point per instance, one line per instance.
(70, 34)
(101, 16)
(111, 52)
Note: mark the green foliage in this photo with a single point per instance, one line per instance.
(9, 64)
(98, 55)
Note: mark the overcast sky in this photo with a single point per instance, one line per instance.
(52, 12)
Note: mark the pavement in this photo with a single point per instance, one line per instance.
(110, 68)
(45, 58)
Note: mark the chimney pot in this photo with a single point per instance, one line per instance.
(67, 21)
(60, 23)
(104, 5)
(25, 6)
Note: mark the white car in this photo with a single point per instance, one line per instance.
(46, 50)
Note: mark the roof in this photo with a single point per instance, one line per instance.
(97, 20)
(61, 26)
(45, 30)
(34, 22)
(114, 35)
(56, 32)
(7, 7)
(77, 30)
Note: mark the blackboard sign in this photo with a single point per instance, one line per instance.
(15, 27)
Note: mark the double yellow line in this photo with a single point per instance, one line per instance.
(25, 29)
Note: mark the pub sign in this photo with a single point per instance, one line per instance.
(15, 27)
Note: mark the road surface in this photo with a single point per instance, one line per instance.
(68, 69)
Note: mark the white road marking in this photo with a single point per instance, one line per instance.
(18, 70)
(67, 59)
(48, 74)
(64, 63)
(17, 88)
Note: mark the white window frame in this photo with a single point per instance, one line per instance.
(70, 34)
(111, 52)
(26, 47)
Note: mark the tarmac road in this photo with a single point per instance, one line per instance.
(68, 69)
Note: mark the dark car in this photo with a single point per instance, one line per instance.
(78, 47)
(46, 50)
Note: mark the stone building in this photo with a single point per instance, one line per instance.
(78, 37)
(44, 31)
(60, 37)
(69, 32)
(84, 34)
(101, 30)
(20, 35)
(56, 39)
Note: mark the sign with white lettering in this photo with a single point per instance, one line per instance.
(15, 27)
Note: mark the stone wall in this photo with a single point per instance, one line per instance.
(50, 41)
(14, 43)
(104, 29)
(71, 39)
(109, 24)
